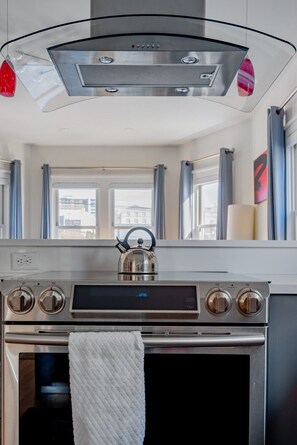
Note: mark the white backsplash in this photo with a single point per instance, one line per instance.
(248, 257)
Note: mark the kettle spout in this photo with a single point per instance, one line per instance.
(121, 246)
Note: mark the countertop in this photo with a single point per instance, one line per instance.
(278, 283)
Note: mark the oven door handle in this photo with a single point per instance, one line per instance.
(202, 340)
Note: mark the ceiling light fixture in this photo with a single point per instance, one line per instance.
(7, 73)
(7, 79)
(246, 78)
(246, 73)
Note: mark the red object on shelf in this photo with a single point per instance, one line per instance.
(7, 79)
(246, 78)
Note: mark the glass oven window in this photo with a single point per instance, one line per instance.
(192, 399)
(44, 400)
(188, 396)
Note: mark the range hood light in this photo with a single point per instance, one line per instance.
(106, 60)
(189, 60)
(182, 90)
(111, 90)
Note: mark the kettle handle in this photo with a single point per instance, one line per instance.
(126, 244)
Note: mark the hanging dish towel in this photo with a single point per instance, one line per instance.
(107, 388)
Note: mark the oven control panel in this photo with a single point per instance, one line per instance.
(249, 301)
(173, 302)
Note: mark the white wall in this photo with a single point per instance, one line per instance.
(269, 260)
(11, 150)
(237, 137)
(249, 140)
(274, 17)
(278, 93)
(102, 156)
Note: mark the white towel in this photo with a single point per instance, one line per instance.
(107, 388)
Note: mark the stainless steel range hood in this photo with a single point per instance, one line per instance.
(155, 48)
(121, 65)
(171, 57)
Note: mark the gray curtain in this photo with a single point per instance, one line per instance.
(276, 201)
(225, 191)
(15, 201)
(185, 225)
(46, 203)
(159, 201)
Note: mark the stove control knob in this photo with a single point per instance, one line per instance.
(218, 301)
(249, 301)
(51, 300)
(20, 300)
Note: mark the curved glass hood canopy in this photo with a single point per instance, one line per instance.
(146, 55)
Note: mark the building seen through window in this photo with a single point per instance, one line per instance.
(205, 205)
(77, 213)
(102, 211)
(132, 207)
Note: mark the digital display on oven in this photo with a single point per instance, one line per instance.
(135, 297)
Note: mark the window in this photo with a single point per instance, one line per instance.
(291, 175)
(76, 213)
(134, 202)
(205, 225)
(1, 211)
(205, 208)
(4, 204)
(292, 193)
(102, 208)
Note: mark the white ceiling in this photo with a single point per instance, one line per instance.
(111, 121)
(124, 121)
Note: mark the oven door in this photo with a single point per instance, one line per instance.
(209, 384)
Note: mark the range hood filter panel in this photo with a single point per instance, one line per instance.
(96, 76)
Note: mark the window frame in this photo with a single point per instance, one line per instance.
(104, 182)
(202, 176)
(4, 202)
(56, 186)
(129, 186)
(291, 178)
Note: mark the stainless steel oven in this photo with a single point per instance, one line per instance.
(205, 353)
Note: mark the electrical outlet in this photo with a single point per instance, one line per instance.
(24, 261)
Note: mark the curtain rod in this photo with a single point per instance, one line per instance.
(288, 99)
(5, 161)
(227, 150)
(104, 168)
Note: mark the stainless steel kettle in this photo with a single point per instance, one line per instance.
(137, 259)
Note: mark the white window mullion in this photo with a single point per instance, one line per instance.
(4, 203)
(291, 195)
(293, 209)
(55, 213)
(104, 223)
